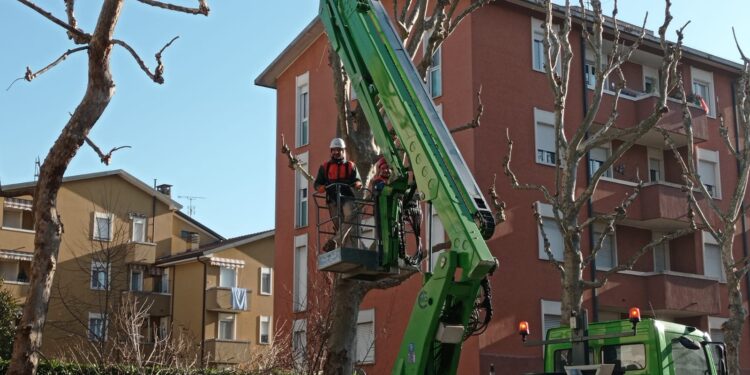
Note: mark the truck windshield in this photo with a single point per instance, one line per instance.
(625, 357)
(688, 361)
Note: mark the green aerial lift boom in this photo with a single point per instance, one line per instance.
(395, 100)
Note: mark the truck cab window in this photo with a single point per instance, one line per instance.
(625, 357)
(688, 361)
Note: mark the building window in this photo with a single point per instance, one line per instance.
(552, 231)
(303, 110)
(655, 164)
(99, 275)
(301, 201)
(364, 342)
(703, 89)
(597, 157)
(650, 79)
(97, 327)
(661, 254)
(18, 214)
(545, 137)
(226, 326)
(139, 229)
(299, 294)
(264, 329)
(299, 341)
(136, 279)
(551, 315)
(712, 266)
(714, 328)
(227, 277)
(161, 281)
(708, 171)
(163, 329)
(265, 281)
(538, 62)
(606, 258)
(103, 226)
(434, 74)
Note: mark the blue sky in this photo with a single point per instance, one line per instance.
(208, 130)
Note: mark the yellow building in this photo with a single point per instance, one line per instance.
(126, 241)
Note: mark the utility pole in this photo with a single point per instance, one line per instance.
(191, 206)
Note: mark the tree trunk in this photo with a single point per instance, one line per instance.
(572, 298)
(347, 295)
(100, 89)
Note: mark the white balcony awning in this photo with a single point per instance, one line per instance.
(16, 255)
(20, 204)
(228, 263)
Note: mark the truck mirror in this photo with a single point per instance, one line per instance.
(687, 342)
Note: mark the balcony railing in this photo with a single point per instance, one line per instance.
(227, 351)
(19, 290)
(220, 299)
(160, 304)
(140, 253)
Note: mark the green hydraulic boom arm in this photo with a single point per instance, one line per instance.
(393, 96)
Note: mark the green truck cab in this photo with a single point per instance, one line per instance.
(650, 347)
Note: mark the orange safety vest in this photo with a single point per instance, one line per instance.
(339, 172)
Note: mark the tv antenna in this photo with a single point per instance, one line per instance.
(37, 167)
(191, 206)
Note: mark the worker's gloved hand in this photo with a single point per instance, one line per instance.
(357, 185)
(321, 189)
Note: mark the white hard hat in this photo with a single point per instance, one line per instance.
(337, 143)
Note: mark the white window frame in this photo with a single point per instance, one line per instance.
(264, 321)
(544, 120)
(107, 216)
(712, 157)
(708, 239)
(20, 213)
(223, 278)
(223, 318)
(98, 266)
(607, 148)
(139, 278)
(537, 33)
(548, 216)
(139, 221)
(164, 282)
(301, 194)
(299, 292)
(706, 78)
(364, 318)
(714, 323)
(612, 238)
(657, 155)
(591, 78)
(653, 73)
(92, 336)
(266, 271)
(435, 73)
(665, 249)
(302, 110)
(549, 308)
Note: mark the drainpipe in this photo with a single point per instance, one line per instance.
(589, 204)
(742, 206)
(203, 312)
(153, 214)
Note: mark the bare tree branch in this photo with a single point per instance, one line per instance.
(547, 245)
(84, 37)
(497, 203)
(474, 123)
(31, 75)
(294, 162)
(742, 54)
(514, 180)
(157, 75)
(201, 9)
(105, 158)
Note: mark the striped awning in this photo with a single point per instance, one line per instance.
(227, 263)
(17, 203)
(16, 255)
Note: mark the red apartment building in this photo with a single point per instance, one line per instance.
(498, 49)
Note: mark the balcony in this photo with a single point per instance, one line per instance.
(220, 299)
(683, 295)
(140, 253)
(19, 290)
(637, 107)
(227, 351)
(21, 239)
(160, 303)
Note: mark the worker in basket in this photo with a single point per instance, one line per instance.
(338, 178)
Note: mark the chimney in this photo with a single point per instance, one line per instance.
(165, 189)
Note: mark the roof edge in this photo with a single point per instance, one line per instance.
(290, 54)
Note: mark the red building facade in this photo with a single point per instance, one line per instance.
(495, 48)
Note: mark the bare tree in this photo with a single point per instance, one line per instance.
(569, 196)
(721, 220)
(99, 92)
